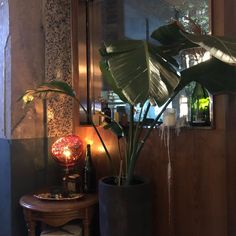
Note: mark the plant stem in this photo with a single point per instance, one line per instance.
(131, 132)
(118, 144)
(138, 130)
(143, 121)
(121, 163)
(138, 134)
(99, 136)
(140, 146)
(155, 121)
(120, 173)
(126, 157)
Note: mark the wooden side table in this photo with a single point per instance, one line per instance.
(58, 213)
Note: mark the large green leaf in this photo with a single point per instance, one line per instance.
(171, 39)
(215, 75)
(174, 38)
(138, 71)
(107, 76)
(222, 48)
(169, 34)
(162, 51)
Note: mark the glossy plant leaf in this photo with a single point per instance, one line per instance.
(222, 48)
(108, 78)
(169, 34)
(163, 52)
(138, 72)
(215, 75)
(171, 39)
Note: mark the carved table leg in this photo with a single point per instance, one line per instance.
(89, 212)
(29, 222)
(89, 215)
(86, 229)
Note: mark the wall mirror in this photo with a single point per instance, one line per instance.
(96, 21)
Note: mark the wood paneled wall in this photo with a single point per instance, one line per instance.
(204, 163)
(199, 188)
(199, 195)
(223, 23)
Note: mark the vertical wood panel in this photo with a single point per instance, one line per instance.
(199, 186)
(204, 164)
(231, 165)
(199, 170)
(224, 24)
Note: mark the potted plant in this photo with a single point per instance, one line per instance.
(137, 71)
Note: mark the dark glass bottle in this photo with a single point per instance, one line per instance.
(89, 172)
(200, 106)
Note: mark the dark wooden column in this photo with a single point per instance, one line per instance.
(223, 23)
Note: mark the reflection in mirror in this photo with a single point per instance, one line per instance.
(105, 20)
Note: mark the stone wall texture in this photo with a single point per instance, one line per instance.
(58, 63)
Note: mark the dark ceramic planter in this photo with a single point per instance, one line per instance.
(125, 210)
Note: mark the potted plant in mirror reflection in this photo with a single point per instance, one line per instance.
(138, 70)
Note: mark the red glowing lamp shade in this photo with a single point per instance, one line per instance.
(67, 150)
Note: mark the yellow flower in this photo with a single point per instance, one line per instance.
(28, 98)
